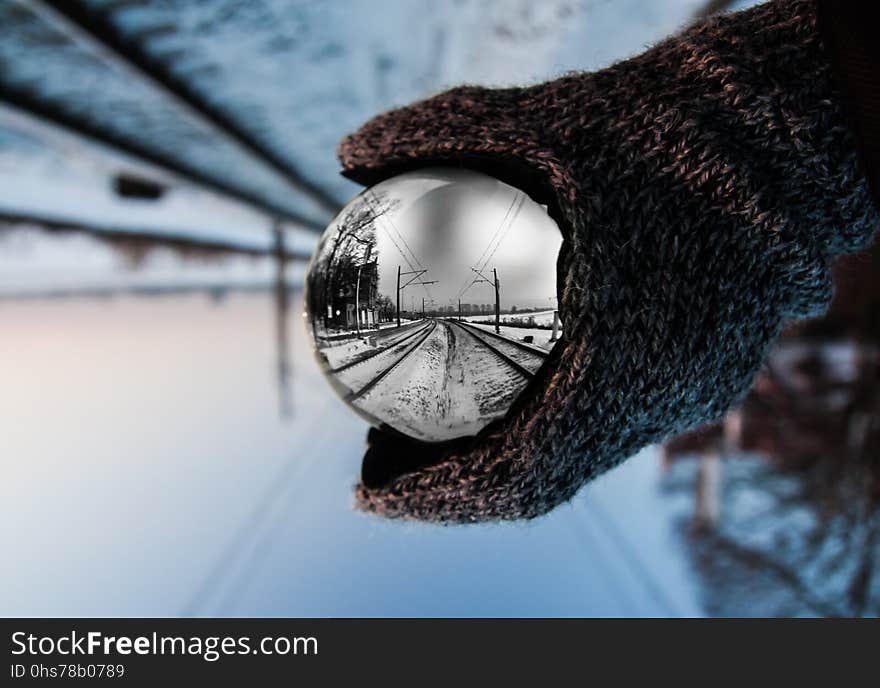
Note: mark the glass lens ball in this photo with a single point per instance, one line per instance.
(431, 299)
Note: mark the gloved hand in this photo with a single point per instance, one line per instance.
(702, 188)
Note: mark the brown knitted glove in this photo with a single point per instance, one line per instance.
(702, 189)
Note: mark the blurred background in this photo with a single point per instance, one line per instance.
(167, 442)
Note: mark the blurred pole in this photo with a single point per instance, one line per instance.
(282, 324)
(555, 326)
(398, 296)
(497, 303)
(707, 509)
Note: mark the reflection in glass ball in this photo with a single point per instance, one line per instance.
(432, 301)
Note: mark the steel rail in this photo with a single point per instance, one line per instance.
(507, 340)
(381, 376)
(118, 231)
(135, 290)
(101, 29)
(81, 128)
(371, 354)
(516, 365)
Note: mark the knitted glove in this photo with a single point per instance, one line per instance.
(702, 188)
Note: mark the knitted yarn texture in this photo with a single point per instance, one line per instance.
(702, 187)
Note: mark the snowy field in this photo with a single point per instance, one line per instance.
(253, 508)
(351, 62)
(37, 262)
(536, 318)
(48, 173)
(541, 336)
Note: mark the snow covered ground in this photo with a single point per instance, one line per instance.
(351, 62)
(33, 261)
(539, 318)
(540, 337)
(50, 174)
(164, 413)
(344, 349)
(527, 355)
(362, 370)
(443, 386)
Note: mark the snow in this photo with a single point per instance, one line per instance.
(68, 70)
(350, 62)
(48, 174)
(526, 355)
(450, 386)
(776, 551)
(253, 509)
(345, 348)
(439, 381)
(542, 318)
(356, 376)
(33, 261)
(537, 324)
(540, 337)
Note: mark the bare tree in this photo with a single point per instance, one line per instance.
(340, 253)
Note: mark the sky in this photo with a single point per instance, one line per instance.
(450, 221)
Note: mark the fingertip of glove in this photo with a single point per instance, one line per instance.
(390, 455)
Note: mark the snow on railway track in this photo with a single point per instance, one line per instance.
(362, 351)
(440, 382)
(336, 353)
(521, 356)
(361, 376)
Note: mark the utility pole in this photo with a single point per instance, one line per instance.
(497, 294)
(415, 279)
(423, 306)
(497, 303)
(459, 309)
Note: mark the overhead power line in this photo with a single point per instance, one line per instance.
(497, 230)
(502, 237)
(377, 216)
(465, 285)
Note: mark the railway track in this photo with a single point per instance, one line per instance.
(522, 359)
(416, 343)
(518, 355)
(363, 358)
(139, 100)
(530, 348)
(140, 50)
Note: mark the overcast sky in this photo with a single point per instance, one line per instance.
(449, 227)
